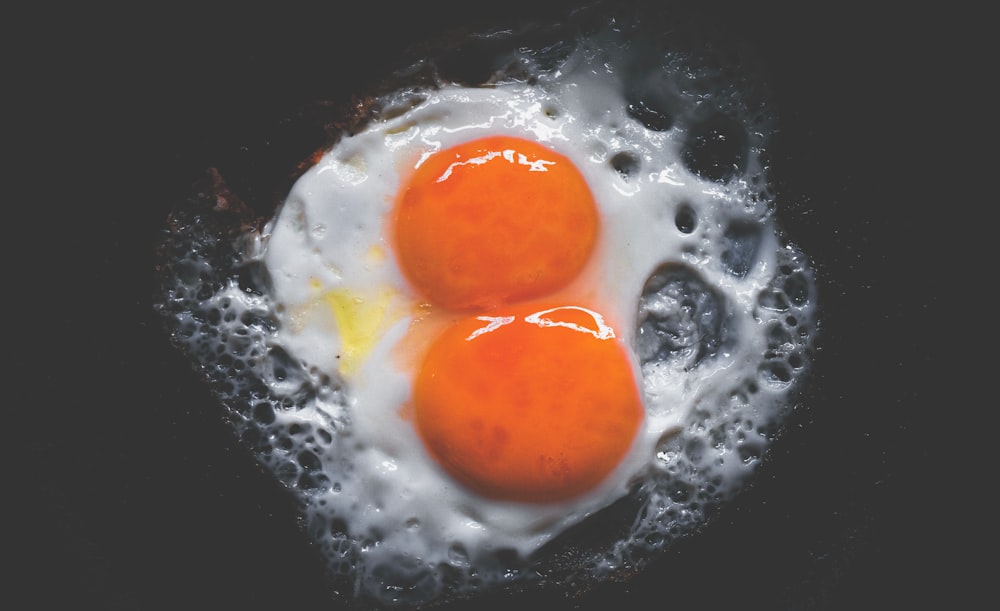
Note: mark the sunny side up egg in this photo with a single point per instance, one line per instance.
(497, 314)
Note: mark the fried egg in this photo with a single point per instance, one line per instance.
(498, 313)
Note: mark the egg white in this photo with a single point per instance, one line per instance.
(383, 511)
(336, 217)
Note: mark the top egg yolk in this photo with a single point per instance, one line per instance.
(493, 221)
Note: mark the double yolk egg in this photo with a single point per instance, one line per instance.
(492, 314)
(527, 397)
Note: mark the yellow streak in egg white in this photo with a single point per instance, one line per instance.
(375, 255)
(357, 317)
(361, 321)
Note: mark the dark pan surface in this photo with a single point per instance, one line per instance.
(130, 492)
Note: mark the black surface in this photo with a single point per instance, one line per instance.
(128, 491)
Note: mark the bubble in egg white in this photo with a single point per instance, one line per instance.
(718, 308)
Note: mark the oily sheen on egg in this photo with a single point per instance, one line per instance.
(517, 403)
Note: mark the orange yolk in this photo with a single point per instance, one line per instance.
(530, 403)
(493, 220)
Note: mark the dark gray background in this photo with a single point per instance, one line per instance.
(128, 491)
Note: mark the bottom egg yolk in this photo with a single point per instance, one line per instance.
(528, 404)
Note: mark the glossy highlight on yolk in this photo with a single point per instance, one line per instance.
(492, 221)
(531, 404)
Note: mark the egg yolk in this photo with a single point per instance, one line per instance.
(493, 220)
(528, 404)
